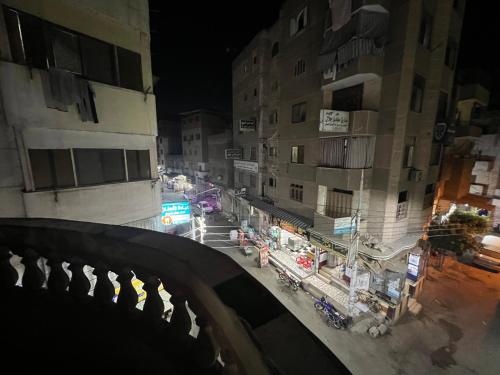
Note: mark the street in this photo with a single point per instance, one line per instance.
(457, 331)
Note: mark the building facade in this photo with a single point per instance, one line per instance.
(337, 90)
(78, 124)
(470, 176)
(197, 126)
(169, 144)
(220, 169)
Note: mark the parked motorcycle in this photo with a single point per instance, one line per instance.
(333, 317)
(288, 279)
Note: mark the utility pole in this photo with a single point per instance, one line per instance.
(353, 251)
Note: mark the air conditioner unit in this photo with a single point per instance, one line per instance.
(416, 175)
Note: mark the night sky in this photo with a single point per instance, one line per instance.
(194, 43)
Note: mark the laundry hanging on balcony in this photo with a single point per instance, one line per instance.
(340, 11)
(62, 88)
(362, 25)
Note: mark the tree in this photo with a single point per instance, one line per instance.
(457, 235)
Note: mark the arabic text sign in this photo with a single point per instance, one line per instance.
(247, 125)
(333, 121)
(233, 153)
(250, 166)
(175, 213)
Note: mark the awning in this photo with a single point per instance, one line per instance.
(297, 220)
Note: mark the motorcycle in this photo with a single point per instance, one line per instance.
(333, 317)
(288, 279)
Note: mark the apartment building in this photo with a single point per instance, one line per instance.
(169, 144)
(355, 88)
(78, 119)
(197, 126)
(470, 175)
(386, 73)
(221, 169)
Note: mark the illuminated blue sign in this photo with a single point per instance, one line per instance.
(175, 213)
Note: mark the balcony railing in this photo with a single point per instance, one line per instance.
(347, 152)
(152, 257)
(59, 318)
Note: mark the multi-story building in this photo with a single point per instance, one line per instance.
(169, 144)
(196, 127)
(78, 120)
(220, 169)
(470, 176)
(353, 86)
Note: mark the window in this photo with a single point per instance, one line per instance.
(429, 196)
(245, 97)
(253, 181)
(185, 138)
(99, 166)
(424, 38)
(338, 203)
(51, 168)
(253, 153)
(296, 192)
(273, 118)
(442, 112)
(254, 92)
(298, 22)
(98, 60)
(138, 165)
(451, 54)
(402, 207)
(272, 152)
(348, 99)
(41, 44)
(435, 154)
(409, 150)
(299, 68)
(297, 154)
(272, 182)
(417, 93)
(13, 25)
(160, 140)
(241, 177)
(66, 50)
(299, 112)
(161, 151)
(130, 70)
(197, 136)
(275, 50)
(255, 60)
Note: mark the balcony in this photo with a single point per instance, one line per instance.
(354, 53)
(62, 320)
(130, 201)
(363, 69)
(119, 110)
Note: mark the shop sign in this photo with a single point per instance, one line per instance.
(343, 225)
(233, 153)
(248, 125)
(249, 166)
(263, 258)
(175, 213)
(288, 227)
(394, 283)
(413, 266)
(326, 244)
(363, 280)
(333, 121)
